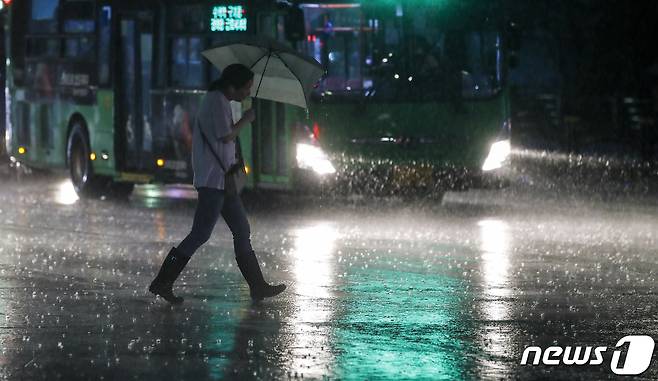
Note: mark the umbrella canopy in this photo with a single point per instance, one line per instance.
(281, 73)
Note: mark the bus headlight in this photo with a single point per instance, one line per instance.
(498, 153)
(312, 157)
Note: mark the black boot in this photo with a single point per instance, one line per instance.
(258, 288)
(171, 268)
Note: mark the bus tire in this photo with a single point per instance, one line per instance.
(81, 171)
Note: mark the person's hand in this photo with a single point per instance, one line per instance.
(249, 116)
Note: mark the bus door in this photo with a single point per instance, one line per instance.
(133, 100)
(271, 138)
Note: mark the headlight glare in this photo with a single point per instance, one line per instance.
(498, 153)
(312, 157)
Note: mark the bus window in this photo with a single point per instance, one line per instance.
(19, 11)
(188, 18)
(40, 47)
(214, 73)
(40, 68)
(401, 53)
(482, 70)
(409, 56)
(104, 45)
(78, 16)
(187, 66)
(334, 39)
(81, 48)
(43, 16)
(178, 60)
(78, 24)
(146, 63)
(194, 62)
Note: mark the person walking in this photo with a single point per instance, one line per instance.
(215, 118)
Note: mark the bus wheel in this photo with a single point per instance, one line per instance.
(80, 168)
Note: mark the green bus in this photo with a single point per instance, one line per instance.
(108, 90)
(415, 93)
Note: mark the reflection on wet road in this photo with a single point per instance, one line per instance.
(375, 292)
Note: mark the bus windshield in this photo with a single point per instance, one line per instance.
(395, 54)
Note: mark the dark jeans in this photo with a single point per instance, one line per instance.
(210, 204)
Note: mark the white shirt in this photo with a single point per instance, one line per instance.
(216, 120)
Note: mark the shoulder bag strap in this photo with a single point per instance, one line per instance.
(205, 140)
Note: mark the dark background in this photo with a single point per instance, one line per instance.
(587, 76)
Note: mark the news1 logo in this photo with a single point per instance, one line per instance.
(638, 356)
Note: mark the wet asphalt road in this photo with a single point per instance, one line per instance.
(377, 290)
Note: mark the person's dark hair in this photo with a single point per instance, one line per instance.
(236, 75)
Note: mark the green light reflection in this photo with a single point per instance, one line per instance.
(402, 325)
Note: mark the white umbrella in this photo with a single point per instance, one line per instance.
(282, 74)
